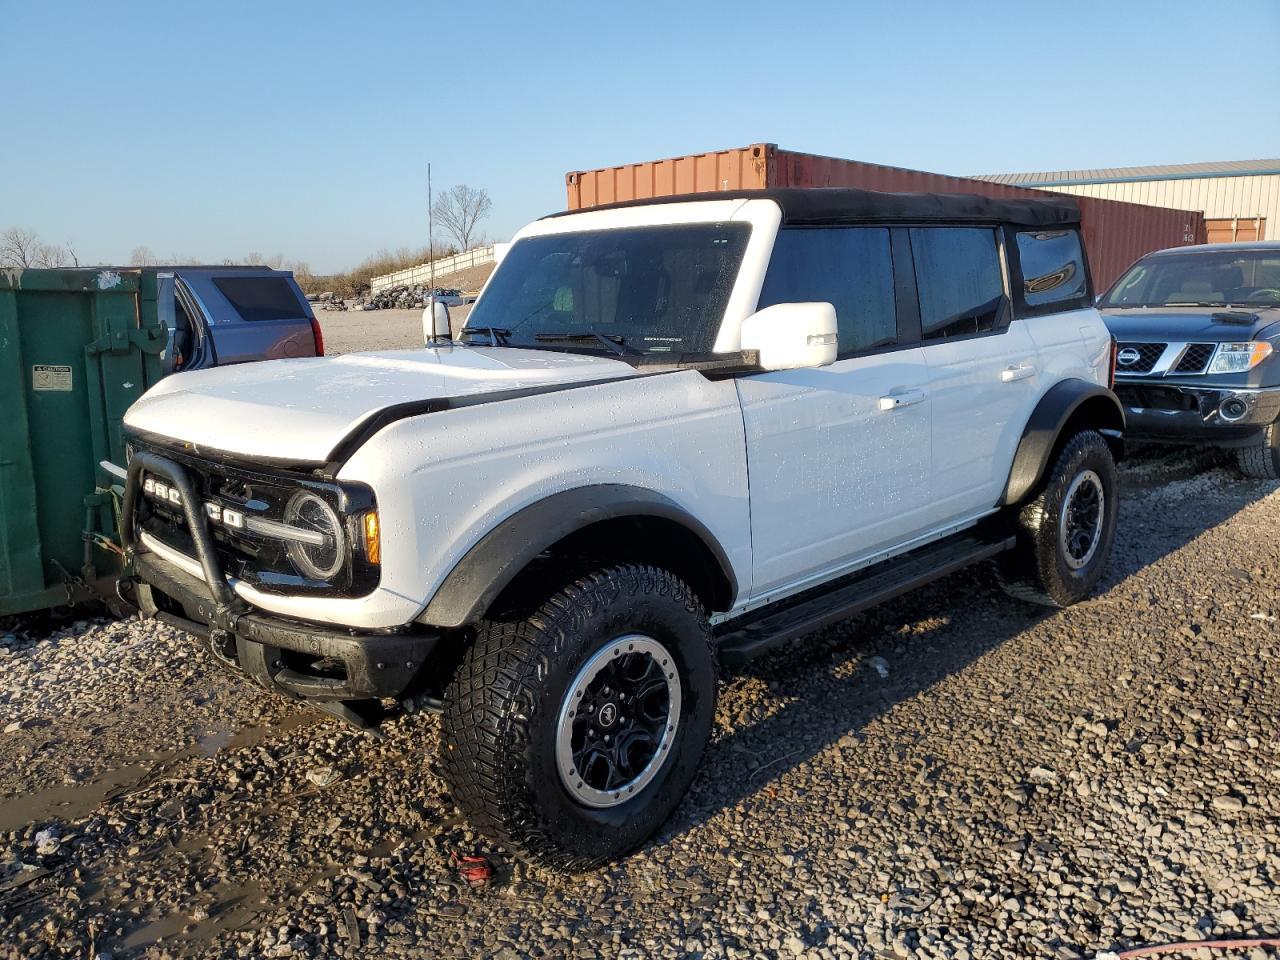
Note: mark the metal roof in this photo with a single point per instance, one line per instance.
(1168, 171)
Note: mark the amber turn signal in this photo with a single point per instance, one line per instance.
(372, 537)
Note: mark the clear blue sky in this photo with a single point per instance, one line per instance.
(210, 130)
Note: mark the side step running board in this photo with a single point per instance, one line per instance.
(753, 635)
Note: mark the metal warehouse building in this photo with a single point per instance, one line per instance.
(1240, 199)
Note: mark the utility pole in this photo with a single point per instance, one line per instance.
(431, 243)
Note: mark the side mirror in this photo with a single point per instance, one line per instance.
(435, 323)
(789, 336)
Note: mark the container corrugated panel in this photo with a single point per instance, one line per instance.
(77, 347)
(739, 169)
(1115, 233)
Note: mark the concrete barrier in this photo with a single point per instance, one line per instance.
(421, 274)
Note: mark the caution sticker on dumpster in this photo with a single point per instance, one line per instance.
(46, 376)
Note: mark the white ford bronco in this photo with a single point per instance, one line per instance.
(673, 434)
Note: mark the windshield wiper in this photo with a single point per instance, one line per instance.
(497, 335)
(613, 341)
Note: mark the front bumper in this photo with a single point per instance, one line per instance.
(297, 659)
(1199, 414)
(301, 660)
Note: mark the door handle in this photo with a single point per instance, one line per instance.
(1020, 372)
(905, 398)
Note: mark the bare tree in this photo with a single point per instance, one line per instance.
(23, 248)
(142, 257)
(19, 248)
(49, 255)
(460, 210)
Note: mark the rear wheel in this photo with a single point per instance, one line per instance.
(1262, 461)
(1065, 534)
(571, 734)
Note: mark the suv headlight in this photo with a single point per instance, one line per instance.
(322, 557)
(1239, 357)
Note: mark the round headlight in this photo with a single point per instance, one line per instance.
(322, 559)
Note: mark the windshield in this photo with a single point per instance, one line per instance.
(635, 290)
(1220, 278)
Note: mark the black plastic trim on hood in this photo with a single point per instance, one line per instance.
(713, 367)
(361, 433)
(371, 425)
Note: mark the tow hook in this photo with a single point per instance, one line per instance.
(127, 591)
(223, 645)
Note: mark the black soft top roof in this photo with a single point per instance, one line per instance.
(826, 205)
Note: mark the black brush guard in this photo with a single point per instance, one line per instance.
(342, 671)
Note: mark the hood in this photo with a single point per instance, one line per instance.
(300, 410)
(1185, 324)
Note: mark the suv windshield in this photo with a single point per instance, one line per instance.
(634, 290)
(1217, 278)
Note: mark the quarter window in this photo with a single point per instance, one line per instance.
(959, 280)
(849, 267)
(262, 298)
(1052, 267)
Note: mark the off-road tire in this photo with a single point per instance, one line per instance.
(1262, 462)
(502, 708)
(1036, 570)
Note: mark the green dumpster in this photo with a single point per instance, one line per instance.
(77, 347)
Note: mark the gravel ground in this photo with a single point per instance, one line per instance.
(955, 774)
(355, 331)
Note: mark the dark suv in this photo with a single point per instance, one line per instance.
(1198, 349)
(222, 315)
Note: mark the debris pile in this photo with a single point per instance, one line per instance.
(406, 297)
(327, 300)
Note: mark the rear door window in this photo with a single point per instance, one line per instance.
(849, 267)
(262, 298)
(959, 280)
(1053, 271)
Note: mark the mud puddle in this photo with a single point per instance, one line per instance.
(234, 907)
(71, 802)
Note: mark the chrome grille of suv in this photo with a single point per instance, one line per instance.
(1195, 358)
(1148, 354)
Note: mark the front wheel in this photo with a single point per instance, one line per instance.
(1262, 461)
(1064, 535)
(571, 734)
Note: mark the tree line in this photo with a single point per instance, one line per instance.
(459, 211)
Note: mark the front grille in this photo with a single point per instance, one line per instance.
(1148, 354)
(1195, 358)
(245, 552)
(239, 553)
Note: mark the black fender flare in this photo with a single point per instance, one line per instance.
(1064, 402)
(502, 553)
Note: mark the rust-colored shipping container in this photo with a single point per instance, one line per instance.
(1115, 233)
